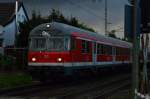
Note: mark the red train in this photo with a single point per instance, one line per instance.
(57, 48)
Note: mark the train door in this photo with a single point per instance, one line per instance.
(94, 52)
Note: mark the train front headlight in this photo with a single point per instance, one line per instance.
(33, 59)
(59, 59)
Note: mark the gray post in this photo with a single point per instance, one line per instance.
(136, 48)
(145, 75)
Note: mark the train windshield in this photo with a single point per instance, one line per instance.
(49, 44)
(38, 43)
(55, 44)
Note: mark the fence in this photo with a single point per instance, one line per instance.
(14, 59)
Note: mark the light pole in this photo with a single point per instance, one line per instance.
(136, 48)
(106, 15)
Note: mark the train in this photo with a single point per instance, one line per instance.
(57, 48)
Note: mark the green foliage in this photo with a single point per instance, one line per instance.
(55, 15)
(127, 40)
(112, 34)
(6, 62)
(131, 1)
(14, 80)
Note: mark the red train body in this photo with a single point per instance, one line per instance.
(59, 47)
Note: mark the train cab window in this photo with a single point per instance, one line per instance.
(56, 44)
(85, 47)
(38, 43)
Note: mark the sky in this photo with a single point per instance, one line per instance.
(89, 12)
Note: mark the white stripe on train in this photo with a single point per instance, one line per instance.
(77, 63)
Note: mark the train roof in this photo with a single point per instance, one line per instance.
(81, 33)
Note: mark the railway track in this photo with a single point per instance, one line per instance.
(93, 88)
(96, 90)
(22, 89)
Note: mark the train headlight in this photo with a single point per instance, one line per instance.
(48, 25)
(59, 59)
(33, 59)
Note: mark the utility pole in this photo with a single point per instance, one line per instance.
(106, 15)
(16, 21)
(106, 21)
(136, 49)
(145, 61)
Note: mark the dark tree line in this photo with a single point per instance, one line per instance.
(36, 19)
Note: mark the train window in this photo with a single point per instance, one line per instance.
(109, 50)
(66, 44)
(56, 44)
(73, 44)
(126, 51)
(38, 43)
(98, 49)
(95, 47)
(106, 49)
(85, 46)
(117, 51)
(122, 51)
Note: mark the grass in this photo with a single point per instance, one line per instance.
(14, 80)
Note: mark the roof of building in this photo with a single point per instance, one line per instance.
(7, 12)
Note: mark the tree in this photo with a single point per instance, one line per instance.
(54, 16)
(62, 19)
(34, 15)
(131, 2)
(26, 27)
(74, 21)
(112, 34)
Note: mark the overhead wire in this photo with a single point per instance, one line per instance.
(88, 10)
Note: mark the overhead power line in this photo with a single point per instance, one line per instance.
(88, 10)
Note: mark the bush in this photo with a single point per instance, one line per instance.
(6, 62)
(14, 80)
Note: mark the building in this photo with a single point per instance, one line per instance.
(11, 14)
